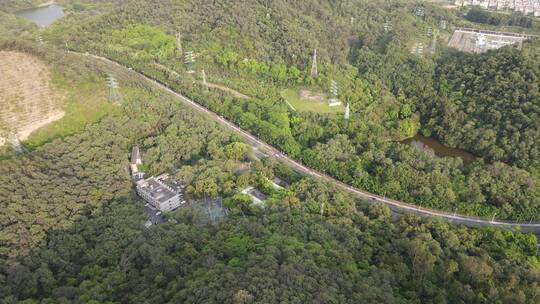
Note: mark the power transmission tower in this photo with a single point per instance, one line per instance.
(314, 70)
(348, 111)
(189, 60)
(420, 11)
(179, 43)
(418, 49)
(443, 24)
(15, 143)
(334, 91)
(114, 95)
(388, 26)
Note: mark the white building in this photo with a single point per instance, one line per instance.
(159, 194)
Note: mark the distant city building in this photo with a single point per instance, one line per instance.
(159, 194)
(526, 7)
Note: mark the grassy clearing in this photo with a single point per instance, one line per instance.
(85, 101)
(292, 95)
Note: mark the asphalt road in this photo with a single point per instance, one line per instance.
(396, 206)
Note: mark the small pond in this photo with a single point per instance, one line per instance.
(42, 16)
(440, 150)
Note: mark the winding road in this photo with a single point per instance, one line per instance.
(396, 206)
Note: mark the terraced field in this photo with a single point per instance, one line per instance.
(27, 101)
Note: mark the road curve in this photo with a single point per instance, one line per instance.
(396, 206)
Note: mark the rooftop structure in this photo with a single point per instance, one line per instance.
(257, 197)
(280, 183)
(480, 41)
(158, 193)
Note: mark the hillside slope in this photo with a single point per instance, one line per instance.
(28, 100)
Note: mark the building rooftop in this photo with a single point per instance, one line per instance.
(256, 196)
(156, 189)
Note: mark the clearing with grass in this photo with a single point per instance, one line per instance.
(305, 100)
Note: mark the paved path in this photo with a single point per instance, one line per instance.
(396, 206)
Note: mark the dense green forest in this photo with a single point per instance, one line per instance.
(262, 47)
(285, 254)
(72, 229)
(480, 15)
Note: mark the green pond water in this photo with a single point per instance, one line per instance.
(440, 150)
(42, 16)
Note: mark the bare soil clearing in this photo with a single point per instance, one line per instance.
(27, 100)
(309, 95)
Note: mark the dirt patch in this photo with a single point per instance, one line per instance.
(312, 96)
(26, 97)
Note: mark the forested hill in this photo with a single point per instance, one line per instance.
(72, 228)
(262, 49)
(490, 104)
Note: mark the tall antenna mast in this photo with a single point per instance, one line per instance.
(114, 95)
(314, 70)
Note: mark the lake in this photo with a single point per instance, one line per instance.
(440, 150)
(42, 16)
